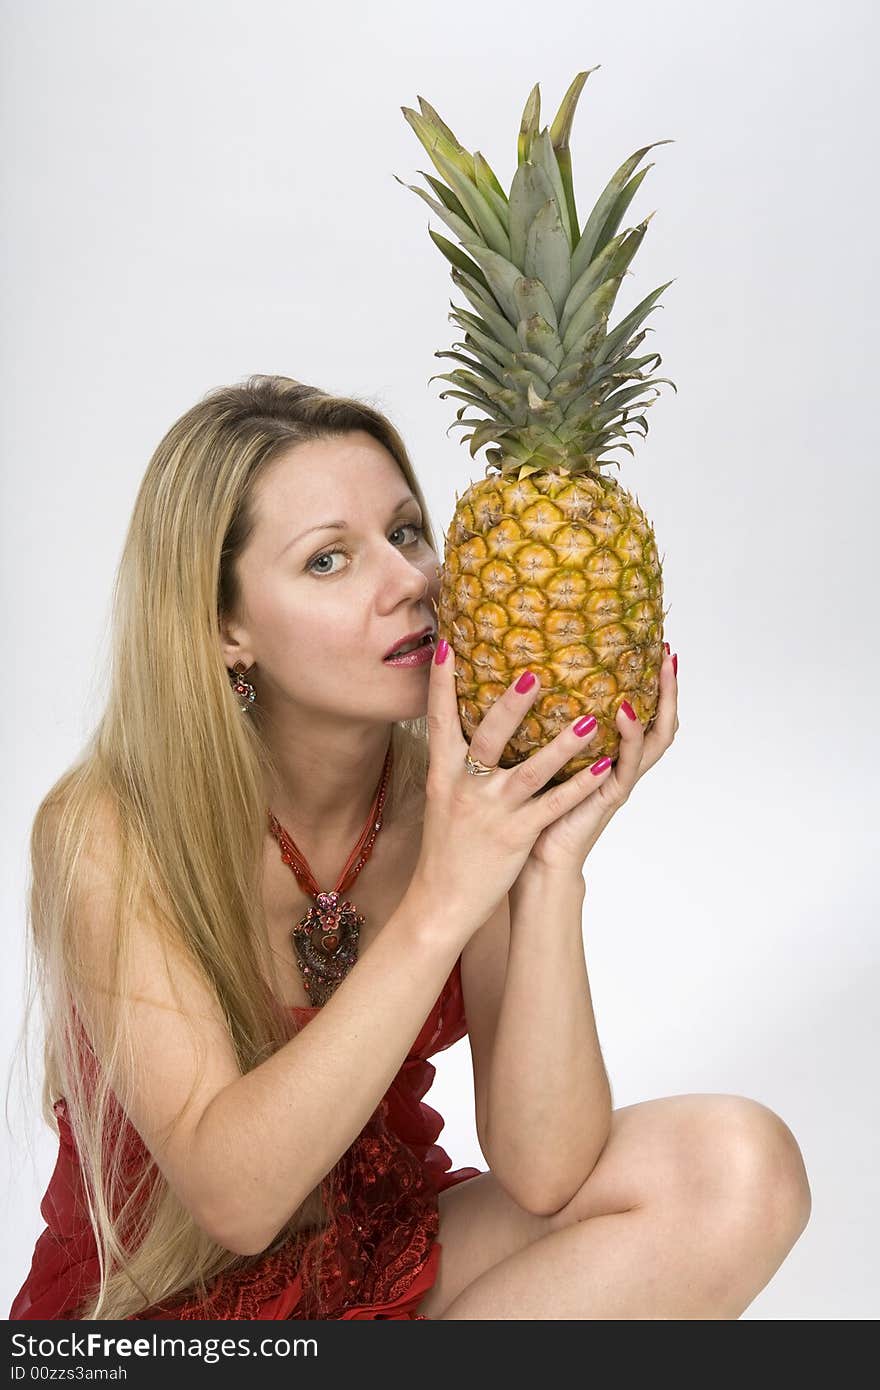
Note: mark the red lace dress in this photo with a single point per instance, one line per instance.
(380, 1255)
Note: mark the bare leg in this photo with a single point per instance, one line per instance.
(719, 1198)
(645, 1263)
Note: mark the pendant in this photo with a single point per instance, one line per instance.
(326, 942)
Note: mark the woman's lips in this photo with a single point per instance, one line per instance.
(421, 656)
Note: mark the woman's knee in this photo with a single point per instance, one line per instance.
(721, 1155)
(772, 1165)
(748, 1161)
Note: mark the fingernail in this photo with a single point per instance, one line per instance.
(441, 652)
(600, 766)
(666, 647)
(627, 709)
(525, 682)
(675, 664)
(585, 725)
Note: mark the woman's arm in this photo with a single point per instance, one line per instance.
(248, 1149)
(549, 1098)
(267, 1139)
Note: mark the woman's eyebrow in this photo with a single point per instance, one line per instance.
(340, 525)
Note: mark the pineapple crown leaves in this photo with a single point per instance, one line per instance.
(543, 368)
(560, 132)
(528, 126)
(457, 167)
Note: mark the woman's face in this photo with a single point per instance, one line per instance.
(322, 605)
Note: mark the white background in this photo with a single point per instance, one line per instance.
(197, 191)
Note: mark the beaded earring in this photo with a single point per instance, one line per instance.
(242, 687)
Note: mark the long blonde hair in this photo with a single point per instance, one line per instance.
(172, 738)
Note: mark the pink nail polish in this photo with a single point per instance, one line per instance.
(584, 726)
(441, 652)
(675, 664)
(600, 766)
(525, 682)
(627, 709)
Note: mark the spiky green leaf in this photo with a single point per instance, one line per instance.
(531, 297)
(610, 410)
(489, 431)
(588, 246)
(593, 309)
(535, 334)
(571, 378)
(439, 142)
(463, 230)
(632, 320)
(491, 371)
(479, 209)
(548, 256)
(619, 208)
(631, 366)
(446, 196)
(472, 398)
(479, 331)
(538, 365)
(560, 134)
(544, 155)
(540, 405)
(529, 191)
(526, 384)
(485, 177)
(497, 324)
(599, 270)
(587, 346)
(612, 361)
(501, 274)
(528, 126)
(432, 117)
(495, 396)
(499, 205)
(457, 257)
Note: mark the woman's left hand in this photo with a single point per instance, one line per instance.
(565, 844)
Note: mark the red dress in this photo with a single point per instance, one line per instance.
(381, 1254)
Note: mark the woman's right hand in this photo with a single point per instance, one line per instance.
(478, 830)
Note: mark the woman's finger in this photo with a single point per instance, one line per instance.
(444, 726)
(503, 717)
(564, 796)
(629, 755)
(662, 731)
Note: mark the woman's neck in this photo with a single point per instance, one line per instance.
(312, 791)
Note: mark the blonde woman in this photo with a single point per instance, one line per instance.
(256, 911)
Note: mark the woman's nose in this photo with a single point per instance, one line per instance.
(414, 580)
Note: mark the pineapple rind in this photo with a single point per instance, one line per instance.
(557, 574)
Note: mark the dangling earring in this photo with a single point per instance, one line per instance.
(242, 687)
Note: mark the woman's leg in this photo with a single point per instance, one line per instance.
(693, 1205)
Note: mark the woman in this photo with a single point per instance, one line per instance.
(240, 1116)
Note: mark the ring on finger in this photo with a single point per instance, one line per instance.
(476, 768)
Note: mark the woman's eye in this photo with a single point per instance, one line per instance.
(328, 554)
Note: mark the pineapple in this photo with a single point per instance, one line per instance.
(549, 564)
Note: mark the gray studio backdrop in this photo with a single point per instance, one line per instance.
(194, 192)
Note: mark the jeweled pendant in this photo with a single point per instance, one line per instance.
(325, 941)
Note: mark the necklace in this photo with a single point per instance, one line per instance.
(325, 940)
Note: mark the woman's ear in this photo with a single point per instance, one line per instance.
(234, 645)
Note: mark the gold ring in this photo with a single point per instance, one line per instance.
(475, 767)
